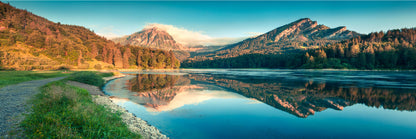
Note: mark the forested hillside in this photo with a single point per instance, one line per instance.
(394, 49)
(32, 42)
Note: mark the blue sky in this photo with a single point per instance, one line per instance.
(223, 19)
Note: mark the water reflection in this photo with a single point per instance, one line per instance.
(161, 92)
(302, 98)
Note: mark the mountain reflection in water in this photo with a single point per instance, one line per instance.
(160, 92)
(163, 92)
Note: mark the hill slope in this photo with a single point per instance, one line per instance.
(31, 42)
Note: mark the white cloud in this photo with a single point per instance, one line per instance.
(109, 35)
(192, 38)
(108, 32)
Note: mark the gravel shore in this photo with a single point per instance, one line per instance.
(134, 123)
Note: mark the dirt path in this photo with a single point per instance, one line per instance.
(13, 100)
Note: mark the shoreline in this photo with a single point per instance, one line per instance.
(108, 79)
(325, 69)
(134, 123)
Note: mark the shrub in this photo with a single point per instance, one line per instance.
(63, 68)
(105, 74)
(88, 78)
(98, 66)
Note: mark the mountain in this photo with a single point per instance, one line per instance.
(155, 38)
(32, 42)
(299, 35)
(393, 49)
(305, 44)
(150, 37)
(304, 30)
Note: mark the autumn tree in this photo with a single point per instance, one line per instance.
(126, 56)
(139, 59)
(94, 51)
(79, 62)
(118, 59)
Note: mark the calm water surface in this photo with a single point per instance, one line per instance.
(190, 104)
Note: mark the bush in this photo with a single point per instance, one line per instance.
(63, 68)
(105, 74)
(98, 66)
(87, 77)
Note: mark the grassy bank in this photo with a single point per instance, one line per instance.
(14, 77)
(64, 111)
(89, 77)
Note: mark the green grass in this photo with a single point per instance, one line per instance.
(88, 77)
(63, 111)
(14, 77)
(105, 74)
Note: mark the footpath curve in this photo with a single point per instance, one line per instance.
(13, 104)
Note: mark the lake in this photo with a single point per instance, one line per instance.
(263, 103)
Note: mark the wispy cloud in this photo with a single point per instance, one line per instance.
(192, 38)
(109, 32)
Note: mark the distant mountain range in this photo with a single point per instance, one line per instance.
(299, 35)
(157, 38)
(305, 44)
(394, 49)
(302, 31)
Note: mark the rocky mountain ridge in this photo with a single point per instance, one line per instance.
(150, 37)
(305, 30)
(299, 35)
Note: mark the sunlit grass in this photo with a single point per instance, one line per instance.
(63, 111)
(107, 74)
(90, 77)
(14, 77)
